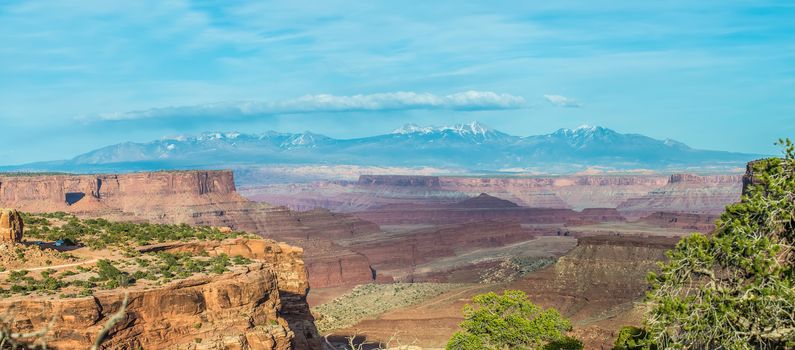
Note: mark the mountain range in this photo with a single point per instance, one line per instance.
(469, 147)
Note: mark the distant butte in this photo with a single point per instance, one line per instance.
(484, 201)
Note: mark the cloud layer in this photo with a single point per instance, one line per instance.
(562, 101)
(325, 103)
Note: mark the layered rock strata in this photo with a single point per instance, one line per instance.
(259, 306)
(11, 226)
(197, 198)
(637, 195)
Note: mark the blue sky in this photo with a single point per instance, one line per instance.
(79, 74)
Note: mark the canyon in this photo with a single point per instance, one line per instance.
(347, 248)
(634, 196)
(582, 244)
(204, 198)
(596, 285)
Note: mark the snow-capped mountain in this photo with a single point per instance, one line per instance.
(471, 146)
(474, 131)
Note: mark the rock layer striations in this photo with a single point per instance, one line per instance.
(259, 306)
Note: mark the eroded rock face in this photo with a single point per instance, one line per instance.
(126, 192)
(686, 193)
(259, 306)
(11, 225)
(399, 255)
(193, 197)
(694, 222)
(598, 283)
(288, 264)
(642, 192)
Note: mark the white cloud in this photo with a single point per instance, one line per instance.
(390, 101)
(562, 101)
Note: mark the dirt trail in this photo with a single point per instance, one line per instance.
(453, 297)
(54, 267)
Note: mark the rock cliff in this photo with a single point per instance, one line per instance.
(428, 182)
(686, 193)
(258, 306)
(483, 208)
(127, 193)
(703, 223)
(192, 197)
(372, 192)
(597, 284)
(399, 255)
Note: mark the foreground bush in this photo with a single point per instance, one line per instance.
(734, 289)
(511, 321)
(632, 338)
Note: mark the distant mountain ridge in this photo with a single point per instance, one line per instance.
(471, 146)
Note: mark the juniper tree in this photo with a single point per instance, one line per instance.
(511, 321)
(734, 289)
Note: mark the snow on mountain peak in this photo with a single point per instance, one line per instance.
(215, 135)
(304, 139)
(472, 128)
(582, 130)
(412, 128)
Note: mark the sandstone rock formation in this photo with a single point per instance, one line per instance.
(260, 306)
(686, 193)
(398, 255)
(576, 192)
(703, 223)
(598, 283)
(484, 201)
(372, 192)
(192, 197)
(11, 226)
(484, 207)
(431, 182)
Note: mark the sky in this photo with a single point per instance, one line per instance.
(76, 75)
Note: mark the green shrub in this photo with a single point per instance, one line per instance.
(510, 321)
(17, 275)
(566, 343)
(101, 233)
(219, 263)
(112, 276)
(632, 338)
(240, 260)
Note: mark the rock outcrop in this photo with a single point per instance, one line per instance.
(598, 283)
(192, 197)
(686, 193)
(694, 222)
(484, 201)
(644, 194)
(258, 306)
(11, 226)
(127, 193)
(483, 207)
(428, 182)
(399, 255)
